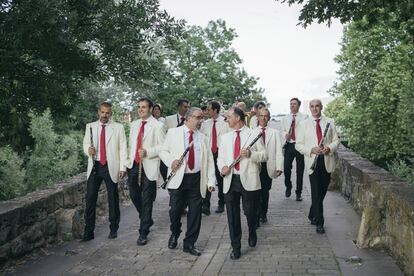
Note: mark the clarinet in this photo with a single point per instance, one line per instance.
(140, 166)
(91, 140)
(238, 159)
(290, 132)
(180, 162)
(315, 161)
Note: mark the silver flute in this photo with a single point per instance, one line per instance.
(180, 162)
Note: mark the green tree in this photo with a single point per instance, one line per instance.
(48, 48)
(377, 86)
(54, 157)
(203, 65)
(12, 174)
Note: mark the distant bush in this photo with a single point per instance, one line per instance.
(11, 174)
(402, 169)
(54, 157)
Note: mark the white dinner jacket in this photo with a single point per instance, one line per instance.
(172, 149)
(172, 120)
(116, 147)
(306, 139)
(274, 150)
(286, 122)
(154, 135)
(249, 167)
(221, 128)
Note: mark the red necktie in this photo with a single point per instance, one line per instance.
(214, 138)
(318, 131)
(191, 153)
(264, 135)
(102, 157)
(139, 141)
(236, 152)
(293, 136)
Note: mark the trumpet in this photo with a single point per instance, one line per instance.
(180, 162)
(238, 159)
(315, 161)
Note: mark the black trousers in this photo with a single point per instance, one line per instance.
(143, 197)
(319, 181)
(206, 201)
(290, 154)
(101, 173)
(249, 201)
(163, 170)
(189, 191)
(266, 182)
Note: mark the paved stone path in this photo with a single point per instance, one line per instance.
(287, 245)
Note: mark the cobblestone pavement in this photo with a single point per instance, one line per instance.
(287, 245)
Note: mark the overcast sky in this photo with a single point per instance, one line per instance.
(289, 60)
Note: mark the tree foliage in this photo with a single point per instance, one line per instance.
(11, 174)
(48, 48)
(203, 65)
(350, 10)
(377, 86)
(54, 157)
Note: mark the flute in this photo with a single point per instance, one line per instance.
(238, 159)
(180, 162)
(315, 161)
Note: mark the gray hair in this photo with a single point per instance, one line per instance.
(317, 101)
(191, 111)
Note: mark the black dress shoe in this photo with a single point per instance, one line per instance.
(235, 254)
(252, 240)
(142, 240)
(172, 242)
(206, 211)
(320, 230)
(220, 209)
(192, 250)
(113, 235)
(87, 237)
(288, 192)
(263, 220)
(299, 198)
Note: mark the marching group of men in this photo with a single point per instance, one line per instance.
(239, 155)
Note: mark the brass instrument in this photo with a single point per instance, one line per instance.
(180, 162)
(315, 161)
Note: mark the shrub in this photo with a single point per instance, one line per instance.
(402, 169)
(54, 157)
(11, 174)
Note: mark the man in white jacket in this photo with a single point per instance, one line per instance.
(192, 178)
(107, 152)
(242, 180)
(145, 139)
(317, 139)
(273, 167)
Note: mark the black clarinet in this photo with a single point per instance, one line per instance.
(290, 133)
(180, 162)
(315, 161)
(93, 159)
(237, 160)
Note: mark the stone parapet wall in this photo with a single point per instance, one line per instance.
(46, 216)
(385, 203)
